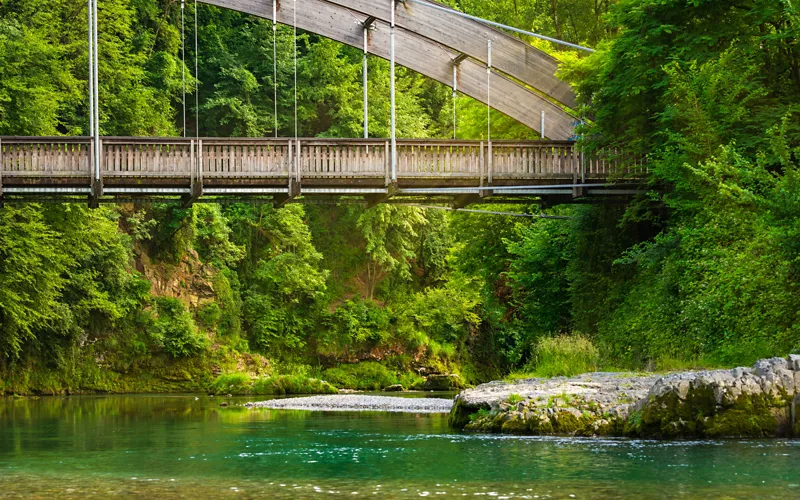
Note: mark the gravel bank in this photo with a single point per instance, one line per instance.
(354, 402)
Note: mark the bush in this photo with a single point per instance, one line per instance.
(175, 330)
(209, 315)
(243, 384)
(565, 355)
(292, 384)
(367, 376)
(231, 383)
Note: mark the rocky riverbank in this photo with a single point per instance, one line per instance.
(762, 401)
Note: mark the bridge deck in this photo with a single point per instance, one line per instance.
(214, 166)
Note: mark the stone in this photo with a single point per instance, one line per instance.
(794, 362)
(765, 366)
(394, 388)
(743, 402)
(443, 383)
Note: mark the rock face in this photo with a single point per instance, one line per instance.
(450, 382)
(763, 401)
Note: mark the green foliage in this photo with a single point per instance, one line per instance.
(513, 399)
(174, 329)
(367, 375)
(564, 356)
(243, 384)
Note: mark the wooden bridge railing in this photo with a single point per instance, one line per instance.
(143, 161)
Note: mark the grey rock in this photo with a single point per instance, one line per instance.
(765, 366)
(394, 388)
(794, 362)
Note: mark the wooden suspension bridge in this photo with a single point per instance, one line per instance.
(282, 170)
(422, 35)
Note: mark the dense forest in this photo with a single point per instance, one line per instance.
(702, 270)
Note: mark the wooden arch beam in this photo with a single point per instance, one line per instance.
(510, 55)
(417, 53)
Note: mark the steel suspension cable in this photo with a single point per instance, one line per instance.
(196, 76)
(96, 91)
(489, 94)
(455, 102)
(91, 68)
(294, 24)
(275, 61)
(183, 62)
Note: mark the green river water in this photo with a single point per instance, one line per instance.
(187, 446)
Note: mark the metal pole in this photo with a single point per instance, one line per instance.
(455, 96)
(183, 61)
(196, 76)
(542, 125)
(96, 93)
(393, 104)
(89, 4)
(366, 81)
(294, 14)
(275, 60)
(489, 95)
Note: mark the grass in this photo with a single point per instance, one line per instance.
(562, 356)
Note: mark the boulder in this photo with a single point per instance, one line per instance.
(394, 388)
(449, 382)
(794, 362)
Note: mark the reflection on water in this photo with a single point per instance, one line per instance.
(163, 446)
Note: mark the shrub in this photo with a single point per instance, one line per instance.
(209, 315)
(565, 355)
(175, 330)
(243, 384)
(369, 376)
(231, 383)
(292, 384)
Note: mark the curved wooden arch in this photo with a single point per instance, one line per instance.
(417, 53)
(510, 55)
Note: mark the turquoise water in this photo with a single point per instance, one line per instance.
(163, 446)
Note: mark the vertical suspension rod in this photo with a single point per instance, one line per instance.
(455, 97)
(96, 93)
(196, 75)
(183, 61)
(392, 92)
(294, 24)
(275, 60)
(489, 93)
(90, 17)
(365, 75)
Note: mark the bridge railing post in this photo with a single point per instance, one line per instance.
(482, 164)
(200, 163)
(1, 172)
(298, 161)
(386, 165)
(490, 162)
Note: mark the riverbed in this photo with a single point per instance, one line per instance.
(176, 446)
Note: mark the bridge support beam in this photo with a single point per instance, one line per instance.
(376, 199)
(464, 200)
(96, 173)
(1, 173)
(280, 200)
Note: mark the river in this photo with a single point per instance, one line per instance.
(189, 446)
